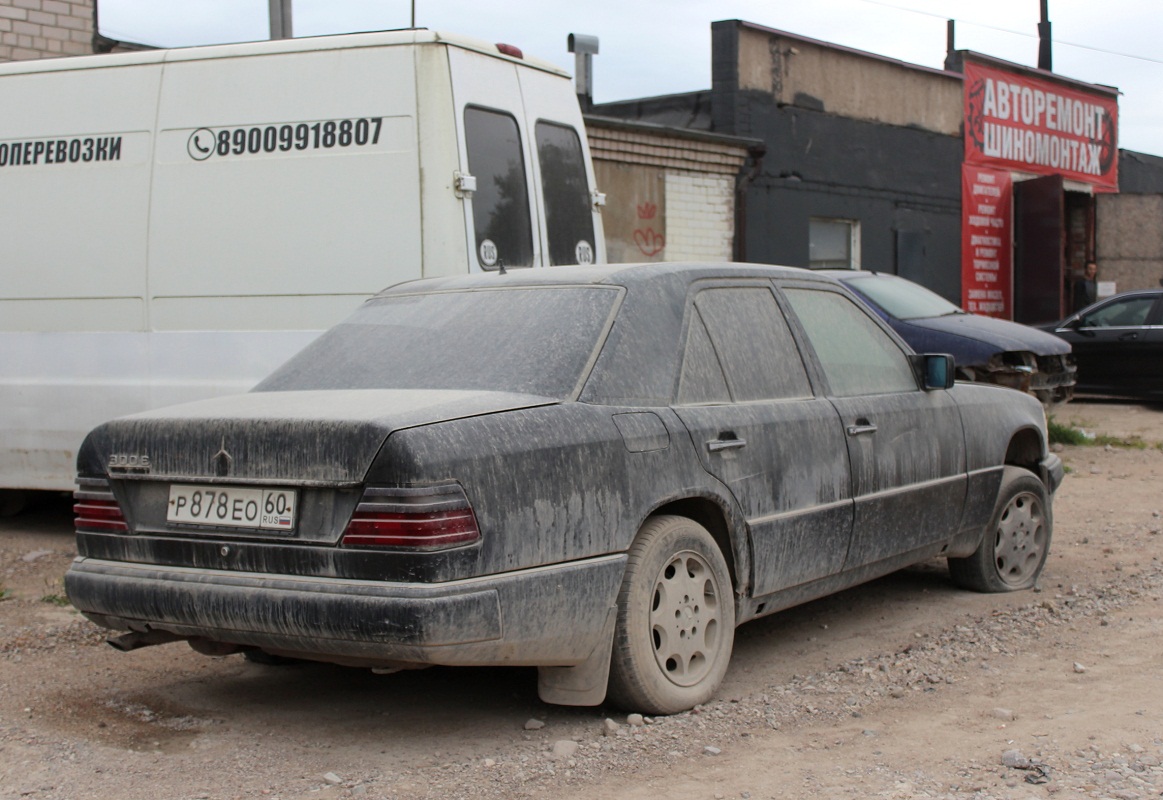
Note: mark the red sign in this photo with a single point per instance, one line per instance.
(986, 242)
(1020, 122)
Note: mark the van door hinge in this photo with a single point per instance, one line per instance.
(463, 184)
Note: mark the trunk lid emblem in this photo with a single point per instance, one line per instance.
(221, 462)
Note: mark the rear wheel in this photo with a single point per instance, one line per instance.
(676, 619)
(1015, 545)
(12, 502)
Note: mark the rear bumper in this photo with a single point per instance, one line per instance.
(548, 616)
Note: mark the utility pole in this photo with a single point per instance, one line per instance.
(281, 19)
(1044, 60)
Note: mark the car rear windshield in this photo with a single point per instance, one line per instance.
(528, 340)
(903, 299)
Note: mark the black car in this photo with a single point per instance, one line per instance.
(986, 349)
(597, 471)
(1118, 345)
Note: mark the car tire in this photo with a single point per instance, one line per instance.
(676, 619)
(12, 502)
(1014, 547)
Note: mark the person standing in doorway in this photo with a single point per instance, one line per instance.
(1086, 287)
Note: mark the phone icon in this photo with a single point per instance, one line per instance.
(195, 147)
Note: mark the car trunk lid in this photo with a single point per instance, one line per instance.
(309, 437)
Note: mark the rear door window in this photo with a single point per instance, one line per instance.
(753, 345)
(500, 204)
(568, 219)
(701, 379)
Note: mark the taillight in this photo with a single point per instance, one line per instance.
(424, 517)
(96, 509)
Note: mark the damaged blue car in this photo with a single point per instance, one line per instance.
(985, 349)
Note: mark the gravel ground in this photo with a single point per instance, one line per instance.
(903, 688)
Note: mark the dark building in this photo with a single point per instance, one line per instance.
(868, 165)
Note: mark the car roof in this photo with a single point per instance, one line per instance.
(1132, 293)
(608, 274)
(849, 274)
(1103, 301)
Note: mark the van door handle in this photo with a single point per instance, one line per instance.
(861, 427)
(715, 445)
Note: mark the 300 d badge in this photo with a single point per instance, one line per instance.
(129, 463)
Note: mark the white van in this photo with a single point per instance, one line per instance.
(178, 222)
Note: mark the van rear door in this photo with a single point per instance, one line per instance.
(571, 224)
(493, 139)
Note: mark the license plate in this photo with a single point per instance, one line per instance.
(232, 507)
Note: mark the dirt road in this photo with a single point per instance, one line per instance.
(902, 688)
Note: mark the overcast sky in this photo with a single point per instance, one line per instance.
(652, 48)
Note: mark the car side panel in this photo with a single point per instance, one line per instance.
(553, 484)
(908, 472)
(990, 425)
(1152, 375)
(1110, 360)
(786, 464)
(990, 428)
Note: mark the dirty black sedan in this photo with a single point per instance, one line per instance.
(596, 471)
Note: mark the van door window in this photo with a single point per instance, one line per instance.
(500, 204)
(568, 217)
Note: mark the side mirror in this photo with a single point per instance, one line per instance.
(936, 370)
(1079, 326)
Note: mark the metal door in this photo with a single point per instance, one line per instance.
(1039, 231)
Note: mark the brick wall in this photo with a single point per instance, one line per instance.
(700, 216)
(670, 194)
(1129, 245)
(45, 29)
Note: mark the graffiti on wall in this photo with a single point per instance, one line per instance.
(635, 215)
(649, 241)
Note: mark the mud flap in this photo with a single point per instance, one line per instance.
(584, 684)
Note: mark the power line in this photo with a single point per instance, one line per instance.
(1013, 32)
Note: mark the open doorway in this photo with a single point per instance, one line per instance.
(1053, 240)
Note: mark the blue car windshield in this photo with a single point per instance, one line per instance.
(527, 340)
(902, 299)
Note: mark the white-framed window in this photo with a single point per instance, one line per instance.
(833, 243)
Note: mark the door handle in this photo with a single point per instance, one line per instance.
(861, 427)
(1129, 337)
(716, 445)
